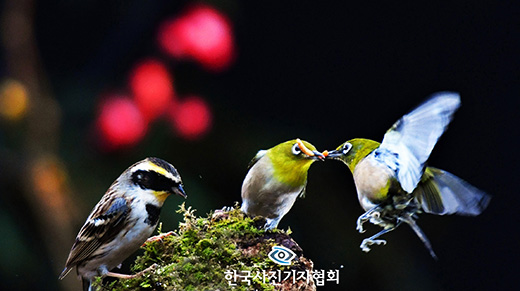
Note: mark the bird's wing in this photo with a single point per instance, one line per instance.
(258, 156)
(104, 223)
(412, 138)
(303, 191)
(440, 192)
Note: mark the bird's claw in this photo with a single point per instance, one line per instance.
(368, 242)
(157, 238)
(372, 215)
(223, 213)
(126, 277)
(227, 208)
(359, 226)
(147, 270)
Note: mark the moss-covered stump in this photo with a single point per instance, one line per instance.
(224, 251)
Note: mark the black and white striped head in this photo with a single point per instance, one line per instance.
(154, 176)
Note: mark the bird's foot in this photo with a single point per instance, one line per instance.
(271, 223)
(159, 237)
(376, 219)
(125, 276)
(227, 208)
(372, 216)
(223, 213)
(359, 224)
(368, 242)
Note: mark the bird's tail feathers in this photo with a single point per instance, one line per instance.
(65, 272)
(440, 192)
(418, 231)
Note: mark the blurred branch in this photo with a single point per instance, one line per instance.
(43, 179)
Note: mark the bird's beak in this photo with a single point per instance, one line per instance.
(318, 156)
(179, 190)
(332, 154)
(315, 155)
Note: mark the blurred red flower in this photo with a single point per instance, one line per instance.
(202, 33)
(152, 88)
(120, 122)
(191, 117)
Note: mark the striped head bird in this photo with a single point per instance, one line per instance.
(122, 220)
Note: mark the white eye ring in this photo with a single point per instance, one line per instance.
(296, 149)
(346, 148)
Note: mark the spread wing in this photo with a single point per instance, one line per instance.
(412, 138)
(104, 223)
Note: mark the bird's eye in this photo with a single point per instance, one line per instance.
(143, 178)
(296, 149)
(346, 148)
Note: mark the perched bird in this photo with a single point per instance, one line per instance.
(123, 219)
(276, 177)
(393, 183)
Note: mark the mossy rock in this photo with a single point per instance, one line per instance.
(224, 251)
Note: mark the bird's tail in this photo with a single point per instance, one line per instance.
(418, 231)
(64, 272)
(440, 192)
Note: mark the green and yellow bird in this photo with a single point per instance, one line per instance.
(392, 182)
(276, 177)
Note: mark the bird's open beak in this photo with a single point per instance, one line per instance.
(332, 154)
(311, 154)
(179, 190)
(318, 156)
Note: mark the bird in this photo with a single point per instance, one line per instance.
(276, 177)
(392, 180)
(123, 219)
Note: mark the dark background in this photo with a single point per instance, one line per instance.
(324, 72)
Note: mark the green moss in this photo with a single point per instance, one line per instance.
(203, 250)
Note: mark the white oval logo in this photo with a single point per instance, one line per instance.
(281, 255)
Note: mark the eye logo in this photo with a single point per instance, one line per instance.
(281, 255)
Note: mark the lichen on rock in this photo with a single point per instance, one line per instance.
(224, 251)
